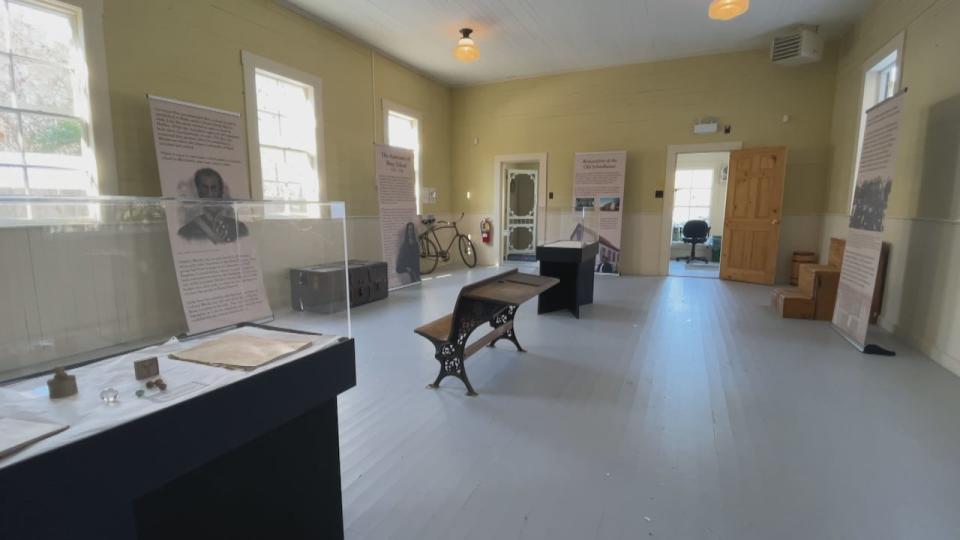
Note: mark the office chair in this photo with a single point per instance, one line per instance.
(695, 232)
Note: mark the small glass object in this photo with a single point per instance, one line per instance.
(110, 396)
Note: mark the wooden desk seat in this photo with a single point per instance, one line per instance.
(494, 301)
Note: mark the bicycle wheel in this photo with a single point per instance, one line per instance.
(467, 251)
(429, 255)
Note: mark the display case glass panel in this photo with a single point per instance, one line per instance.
(574, 228)
(83, 279)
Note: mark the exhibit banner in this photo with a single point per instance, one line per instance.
(861, 257)
(598, 179)
(201, 157)
(396, 185)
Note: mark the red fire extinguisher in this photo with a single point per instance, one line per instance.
(486, 231)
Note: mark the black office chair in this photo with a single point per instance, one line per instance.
(695, 232)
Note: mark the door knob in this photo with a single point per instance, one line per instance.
(774, 221)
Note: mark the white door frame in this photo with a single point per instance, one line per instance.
(498, 205)
(666, 223)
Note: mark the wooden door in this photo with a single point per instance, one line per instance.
(751, 225)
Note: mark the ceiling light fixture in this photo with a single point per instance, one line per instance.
(466, 50)
(724, 10)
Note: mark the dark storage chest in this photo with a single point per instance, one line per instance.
(321, 288)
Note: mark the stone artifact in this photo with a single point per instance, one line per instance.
(61, 385)
(146, 368)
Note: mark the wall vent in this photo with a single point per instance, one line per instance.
(799, 46)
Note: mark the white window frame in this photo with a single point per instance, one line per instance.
(388, 107)
(89, 14)
(871, 73)
(709, 206)
(251, 63)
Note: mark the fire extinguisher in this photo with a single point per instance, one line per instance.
(486, 231)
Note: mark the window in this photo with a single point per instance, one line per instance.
(402, 130)
(45, 132)
(881, 81)
(284, 128)
(691, 199)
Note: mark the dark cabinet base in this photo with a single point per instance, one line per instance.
(284, 484)
(257, 458)
(574, 268)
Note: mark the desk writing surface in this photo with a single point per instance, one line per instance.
(514, 288)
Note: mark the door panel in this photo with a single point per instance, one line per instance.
(751, 228)
(521, 230)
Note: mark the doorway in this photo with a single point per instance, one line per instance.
(520, 212)
(520, 199)
(694, 206)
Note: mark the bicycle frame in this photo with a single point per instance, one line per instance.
(444, 253)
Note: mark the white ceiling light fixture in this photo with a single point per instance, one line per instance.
(724, 10)
(466, 50)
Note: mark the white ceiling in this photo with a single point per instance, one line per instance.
(522, 38)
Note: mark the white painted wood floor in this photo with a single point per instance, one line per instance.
(675, 408)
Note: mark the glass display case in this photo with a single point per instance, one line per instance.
(83, 279)
(571, 228)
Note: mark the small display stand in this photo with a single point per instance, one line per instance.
(569, 255)
(207, 452)
(572, 263)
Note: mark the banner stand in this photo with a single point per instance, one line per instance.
(878, 350)
(864, 244)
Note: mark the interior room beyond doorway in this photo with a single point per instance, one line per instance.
(699, 198)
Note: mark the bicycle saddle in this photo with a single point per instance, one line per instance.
(428, 220)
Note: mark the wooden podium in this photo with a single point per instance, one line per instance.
(572, 263)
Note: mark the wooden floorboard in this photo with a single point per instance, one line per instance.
(674, 408)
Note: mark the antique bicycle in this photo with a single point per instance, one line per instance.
(430, 252)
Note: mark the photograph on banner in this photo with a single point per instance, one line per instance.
(396, 186)
(598, 183)
(202, 162)
(864, 245)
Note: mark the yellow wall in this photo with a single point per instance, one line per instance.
(190, 50)
(641, 109)
(923, 216)
(922, 188)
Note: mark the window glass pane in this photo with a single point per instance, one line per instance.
(681, 215)
(270, 159)
(43, 87)
(41, 33)
(288, 138)
(4, 20)
(700, 212)
(699, 197)
(6, 81)
(9, 138)
(294, 99)
(403, 131)
(269, 128)
(267, 98)
(702, 179)
(58, 182)
(298, 132)
(12, 181)
(52, 141)
(681, 197)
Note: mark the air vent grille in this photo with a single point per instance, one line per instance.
(786, 47)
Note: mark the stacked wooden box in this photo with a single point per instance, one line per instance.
(816, 291)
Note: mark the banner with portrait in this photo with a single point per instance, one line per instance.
(396, 186)
(202, 162)
(861, 257)
(598, 179)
